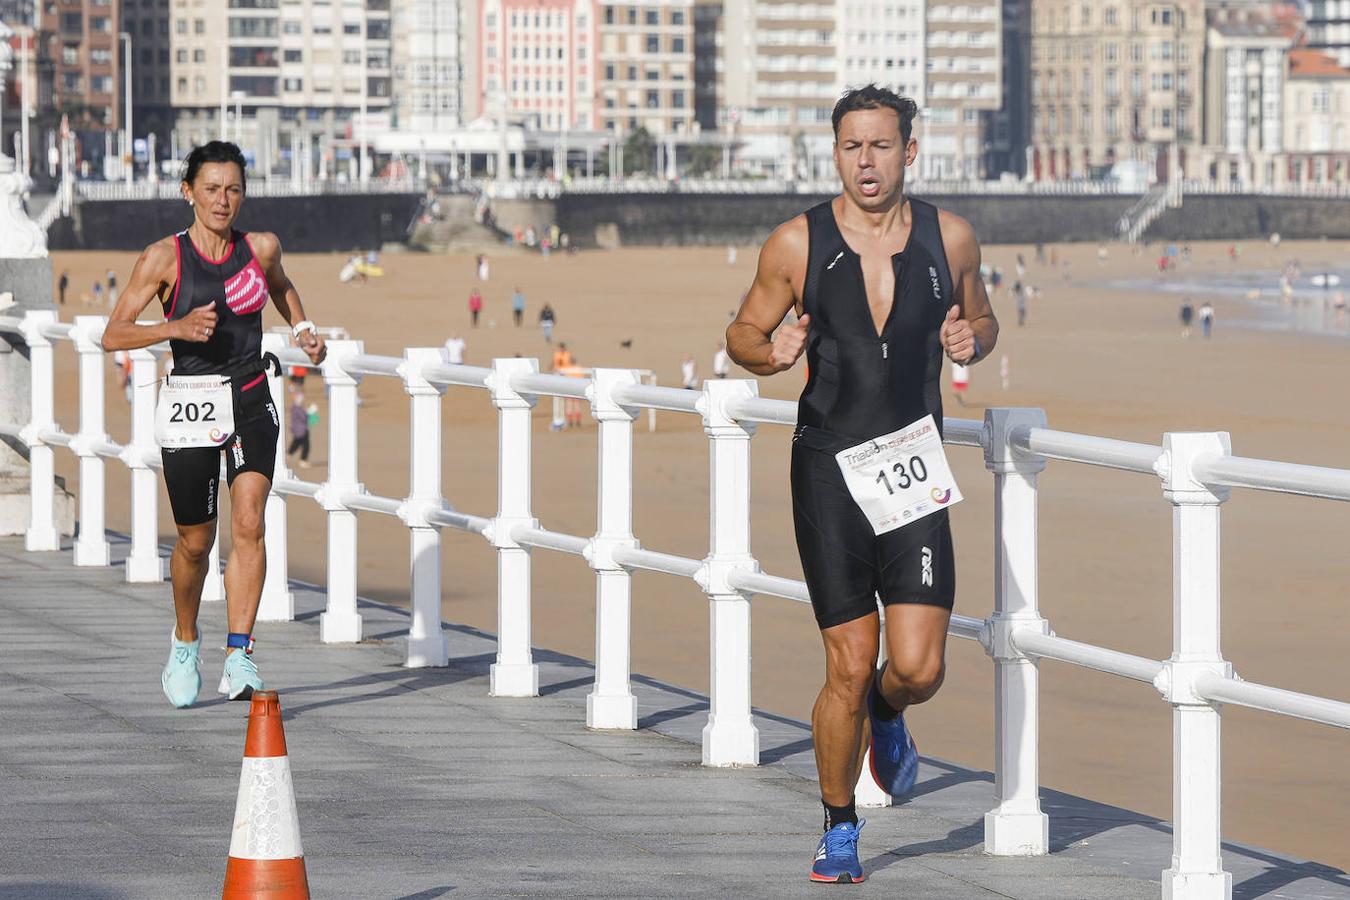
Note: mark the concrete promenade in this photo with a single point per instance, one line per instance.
(415, 784)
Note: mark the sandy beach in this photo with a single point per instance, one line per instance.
(1098, 360)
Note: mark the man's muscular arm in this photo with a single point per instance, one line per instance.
(976, 316)
(777, 286)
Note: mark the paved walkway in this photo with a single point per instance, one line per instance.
(414, 784)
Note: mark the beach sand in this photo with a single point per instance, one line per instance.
(1103, 362)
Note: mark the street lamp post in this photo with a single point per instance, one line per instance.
(238, 97)
(365, 86)
(126, 90)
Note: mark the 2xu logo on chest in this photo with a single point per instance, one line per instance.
(937, 284)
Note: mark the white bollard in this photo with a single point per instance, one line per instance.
(42, 532)
(611, 703)
(730, 738)
(1197, 864)
(427, 644)
(340, 622)
(91, 547)
(143, 564)
(515, 673)
(278, 600)
(1016, 826)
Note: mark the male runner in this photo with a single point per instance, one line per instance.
(213, 283)
(883, 285)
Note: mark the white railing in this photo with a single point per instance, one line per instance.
(170, 189)
(1304, 190)
(547, 189)
(1196, 469)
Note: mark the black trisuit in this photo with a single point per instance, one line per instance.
(862, 385)
(239, 288)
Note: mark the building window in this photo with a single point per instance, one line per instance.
(653, 44)
(653, 99)
(351, 27)
(293, 84)
(609, 71)
(632, 15)
(199, 26)
(199, 84)
(653, 17)
(1110, 16)
(199, 56)
(677, 45)
(294, 56)
(609, 15)
(353, 57)
(181, 56)
(101, 84)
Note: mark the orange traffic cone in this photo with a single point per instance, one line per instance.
(266, 860)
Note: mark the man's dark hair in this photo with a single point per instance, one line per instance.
(214, 152)
(873, 97)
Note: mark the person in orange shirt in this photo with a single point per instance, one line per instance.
(565, 364)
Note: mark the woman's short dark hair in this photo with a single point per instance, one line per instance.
(214, 152)
(873, 97)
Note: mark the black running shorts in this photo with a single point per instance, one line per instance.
(192, 475)
(847, 565)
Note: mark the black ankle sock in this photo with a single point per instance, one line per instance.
(834, 815)
(880, 708)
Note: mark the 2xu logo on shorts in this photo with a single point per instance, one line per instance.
(237, 448)
(927, 560)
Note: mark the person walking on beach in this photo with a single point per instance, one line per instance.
(213, 283)
(517, 306)
(475, 305)
(1020, 295)
(883, 285)
(688, 372)
(453, 351)
(297, 421)
(721, 361)
(98, 293)
(546, 320)
(112, 288)
(62, 285)
(1206, 318)
(1187, 316)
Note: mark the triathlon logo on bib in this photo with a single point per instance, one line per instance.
(246, 291)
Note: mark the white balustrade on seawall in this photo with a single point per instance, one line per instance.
(1197, 471)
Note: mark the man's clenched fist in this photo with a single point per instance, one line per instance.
(958, 339)
(788, 344)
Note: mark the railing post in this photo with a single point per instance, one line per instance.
(730, 738)
(278, 600)
(427, 645)
(91, 547)
(1197, 864)
(515, 673)
(611, 704)
(42, 532)
(1016, 827)
(340, 622)
(143, 564)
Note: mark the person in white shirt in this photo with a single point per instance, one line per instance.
(721, 361)
(454, 350)
(689, 372)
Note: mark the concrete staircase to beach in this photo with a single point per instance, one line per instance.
(455, 230)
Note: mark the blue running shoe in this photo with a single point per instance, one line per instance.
(240, 678)
(181, 679)
(837, 855)
(895, 758)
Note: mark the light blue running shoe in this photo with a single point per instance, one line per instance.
(240, 678)
(180, 678)
(895, 758)
(837, 856)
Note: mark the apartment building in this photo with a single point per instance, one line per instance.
(645, 67)
(964, 86)
(147, 24)
(1114, 81)
(1005, 137)
(1329, 28)
(79, 44)
(1242, 136)
(427, 49)
(290, 77)
(537, 61)
(1317, 119)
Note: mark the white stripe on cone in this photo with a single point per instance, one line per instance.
(266, 825)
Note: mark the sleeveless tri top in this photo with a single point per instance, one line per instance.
(862, 384)
(237, 285)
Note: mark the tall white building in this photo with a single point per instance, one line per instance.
(291, 75)
(428, 64)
